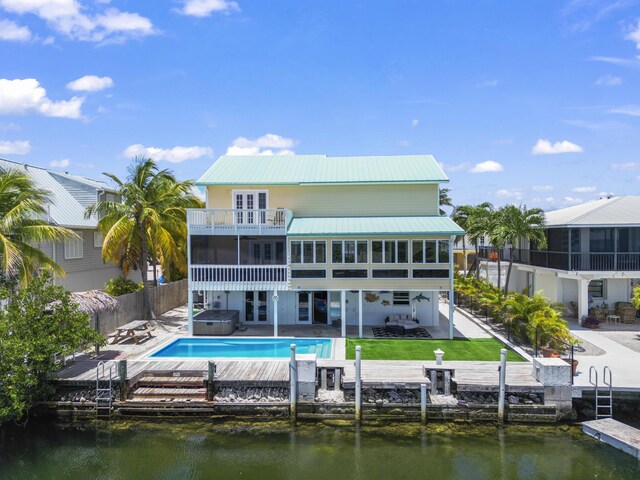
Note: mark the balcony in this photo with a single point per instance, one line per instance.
(230, 221)
(583, 261)
(239, 277)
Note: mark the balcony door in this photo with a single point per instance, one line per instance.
(255, 307)
(246, 202)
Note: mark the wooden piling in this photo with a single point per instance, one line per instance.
(423, 403)
(124, 383)
(293, 385)
(358, 384)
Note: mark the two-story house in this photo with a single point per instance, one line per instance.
(312, 239)
(69, 195)
(592, 256)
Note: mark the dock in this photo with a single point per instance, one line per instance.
(615, 433)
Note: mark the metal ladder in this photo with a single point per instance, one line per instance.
(604, 401)
(103, 390)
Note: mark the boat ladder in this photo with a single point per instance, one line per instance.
(104, 390)
(604, 395)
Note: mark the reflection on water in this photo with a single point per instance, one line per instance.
(198, 449)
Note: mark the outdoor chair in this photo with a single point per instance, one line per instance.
(400, 324)
(598, 313)
(573, 309)
(626, 312)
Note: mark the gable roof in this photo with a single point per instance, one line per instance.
(65, 209)
(614, 211)
(356, 226)
(322, 170)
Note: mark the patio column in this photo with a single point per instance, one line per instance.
(583, 298)
(190, 310)
(451, 309)
(343, 313)
(360, 314)
(275, 299)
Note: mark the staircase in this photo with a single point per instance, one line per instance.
(603, 393)
(168, 387)
(104, 390)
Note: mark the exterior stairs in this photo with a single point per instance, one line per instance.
(168, 388)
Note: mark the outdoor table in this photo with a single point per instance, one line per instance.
(135, 330)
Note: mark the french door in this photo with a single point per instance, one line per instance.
(255, 307)
(246, 203)
(303, 307)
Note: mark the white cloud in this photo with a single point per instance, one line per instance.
(572, 200)
(22, 96)
(81, 21)
(90, 83)
(459, 167)
(608, 81)
(509, 193)
(488, 84)
(625, 166)
(549, 199)
(488, 166)
(204, 8)
(545, 147)
(64, 163)
(583, 189)
(542, 188)
(173, 155)
(13, 32)
(634, 34)
(269, 144)
(18, 147)
(631, 110)
(415, 122)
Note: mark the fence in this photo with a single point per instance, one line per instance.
(131, 306)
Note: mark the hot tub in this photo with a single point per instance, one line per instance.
(215, 322)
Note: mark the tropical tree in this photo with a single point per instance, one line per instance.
(518, 223)
(149, 224)
(445, 200)
(22, 208)
(478, 224)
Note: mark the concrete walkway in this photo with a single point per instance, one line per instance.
(623, 362)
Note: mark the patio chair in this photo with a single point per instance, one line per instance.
(399, 324)
(599, 314)
(573, 309)
(626, 312)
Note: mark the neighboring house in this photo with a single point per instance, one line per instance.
(311, 239)
(593, 253)
(70, 195)
(458, 251)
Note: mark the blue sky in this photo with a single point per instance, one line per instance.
(534, 102)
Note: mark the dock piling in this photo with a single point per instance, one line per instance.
(358, 384)
(124, 384)
(211, 374)
(423, 403)
(293, 385)
(502, 372)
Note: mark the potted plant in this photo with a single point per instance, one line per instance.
(493, 256)
(589, 321)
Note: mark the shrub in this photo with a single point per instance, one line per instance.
(121, 286)
(589, 322)
(635, 300)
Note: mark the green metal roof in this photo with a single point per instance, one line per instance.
(357, 226)
(320, 170)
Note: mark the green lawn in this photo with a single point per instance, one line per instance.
(401, 349)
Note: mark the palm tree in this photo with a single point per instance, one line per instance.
(477, 225)
(521, 223)
(148, 224)
(462, 215)
(22, 206)
(444, 199)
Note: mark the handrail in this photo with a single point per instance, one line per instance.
(593, 370)
(604, 377)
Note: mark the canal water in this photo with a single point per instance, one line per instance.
(204, 450)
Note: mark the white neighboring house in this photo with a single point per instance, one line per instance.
(593, 254)
(70, 195)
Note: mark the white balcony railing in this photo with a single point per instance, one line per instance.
(239, 277)
(231, 221)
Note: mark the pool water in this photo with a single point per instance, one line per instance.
(215, 347)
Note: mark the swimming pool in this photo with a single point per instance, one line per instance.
(213, 347)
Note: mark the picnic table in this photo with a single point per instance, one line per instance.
(137, 330)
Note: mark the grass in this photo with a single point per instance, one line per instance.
(482, 349)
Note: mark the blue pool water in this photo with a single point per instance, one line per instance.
(243, 348)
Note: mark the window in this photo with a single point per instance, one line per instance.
(98, 239)
(401, 298)
(430, 251)
(390, 273)
(390, 251)
(308, 251)
(597, 288)
(349, 274)
(349, 251)
(73, 248)
(308, 274)
(418, 273)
